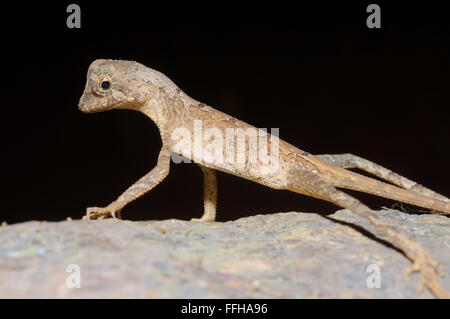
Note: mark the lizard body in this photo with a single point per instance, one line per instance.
(115, 84)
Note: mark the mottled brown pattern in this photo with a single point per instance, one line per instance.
(136, 87)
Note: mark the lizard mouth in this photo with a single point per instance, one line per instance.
(88, 110)
(86, 107)
(83, 108)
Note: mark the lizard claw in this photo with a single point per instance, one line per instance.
(427, 266)
(103, 212)
(201, 220)
(416, 267)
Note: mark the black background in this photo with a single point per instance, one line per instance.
(316, 72)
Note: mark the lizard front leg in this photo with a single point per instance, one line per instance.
(353, 161)
(209, 195)
(142, 186)
(306, 182)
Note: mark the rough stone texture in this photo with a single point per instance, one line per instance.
(285, 255)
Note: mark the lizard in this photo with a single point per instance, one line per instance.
(121, 84)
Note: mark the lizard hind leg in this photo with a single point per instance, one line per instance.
(309, 183)
(350, 161)
(210, 195)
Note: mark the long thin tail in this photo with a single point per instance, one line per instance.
(339, 177)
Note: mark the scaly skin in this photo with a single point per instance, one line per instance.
(115, 84)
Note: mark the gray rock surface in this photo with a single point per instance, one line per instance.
(285, 255)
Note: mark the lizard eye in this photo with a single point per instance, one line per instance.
(105, 84)
(102, 85)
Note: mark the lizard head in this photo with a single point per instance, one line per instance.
(114, 84)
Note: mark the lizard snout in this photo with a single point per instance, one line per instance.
(86, 104)
(82, 106)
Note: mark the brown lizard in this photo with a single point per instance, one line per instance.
(115, 84)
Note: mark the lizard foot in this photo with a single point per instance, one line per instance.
(426, 266)
(202, 220)
(103, 212)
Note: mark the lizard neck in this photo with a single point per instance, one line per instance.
(155, 111)
(163, 101)
(165, 110)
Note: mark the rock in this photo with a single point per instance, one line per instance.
(285, 255)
